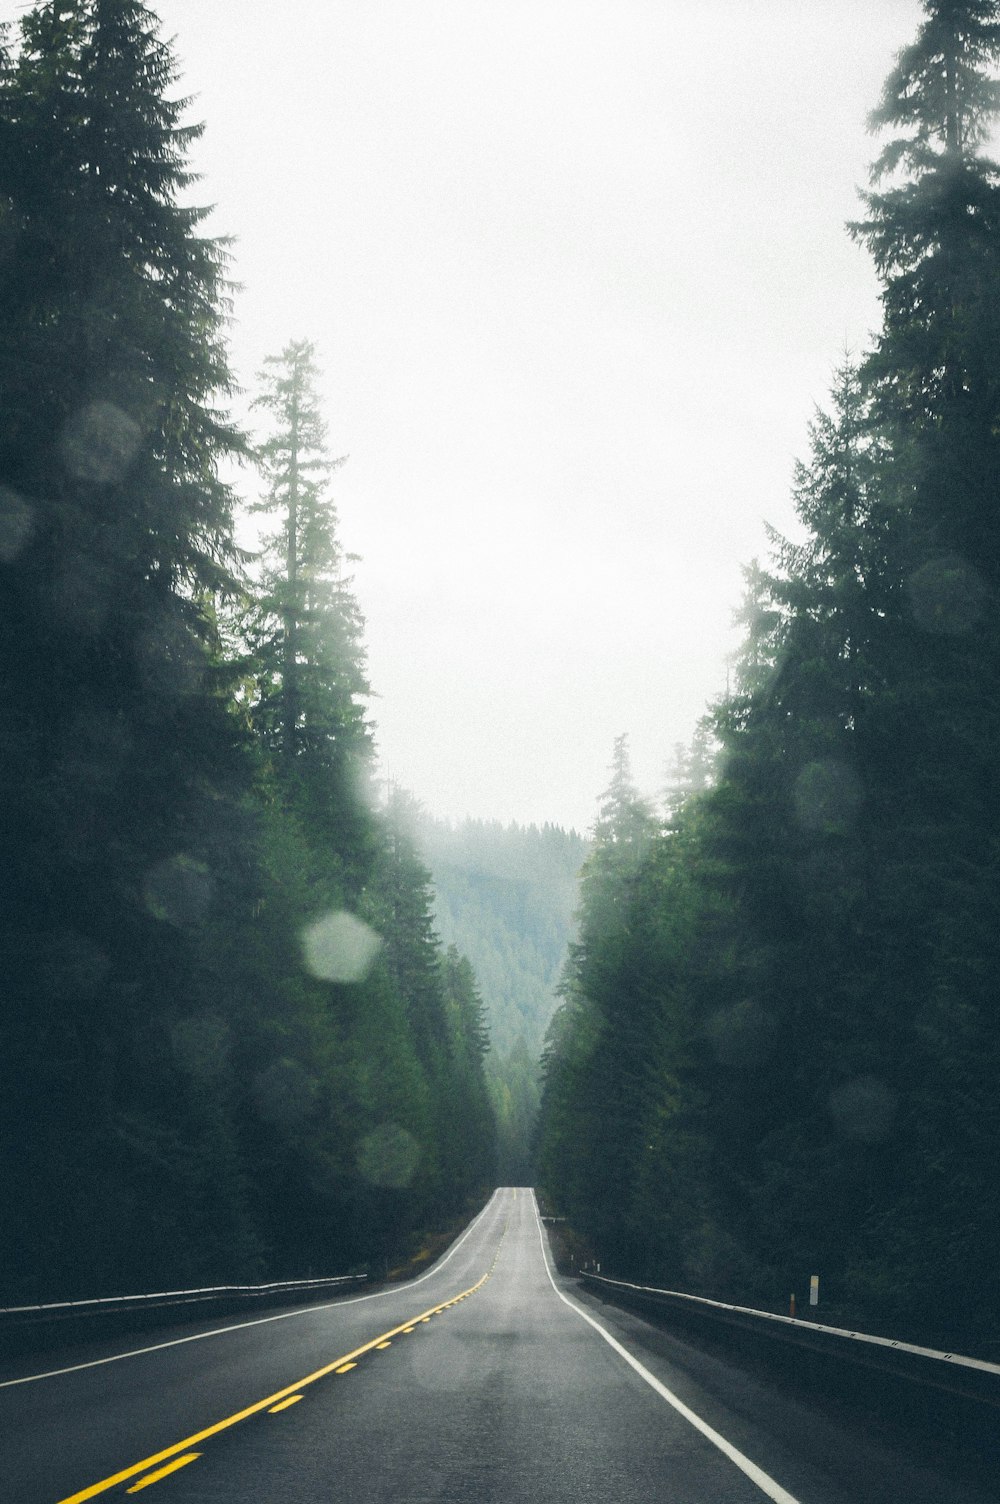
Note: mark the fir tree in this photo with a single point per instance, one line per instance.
(123, 768)
(934, 233)
(810, 950)
(305, 627)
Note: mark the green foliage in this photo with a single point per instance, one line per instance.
(306, 627)
(123, 771)
(934, 237)
(231, 1044)
(506, 896)
(779, 1046)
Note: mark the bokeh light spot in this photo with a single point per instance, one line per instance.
(284, 1094)
(340, 947)
(947, 595)
(179, 891)
(388, 1157)
(99, 443)
(17, 521)
(827, 797)
(74, 967)
(743, 1035)
(443, 1365)
(201, 1044)
(864, 1108)
(169, 658)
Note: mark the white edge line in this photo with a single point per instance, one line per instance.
(764, 1482)
(893, 1343)
(222, 1331)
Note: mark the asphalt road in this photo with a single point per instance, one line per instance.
(487, 1379)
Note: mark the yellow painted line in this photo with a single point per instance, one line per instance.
(345, 1368)
(381, 1346)
(292, 1399)
(232, 1420)
(164, 1472)
(225, 1331)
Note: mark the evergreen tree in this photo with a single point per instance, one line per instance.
(623, 831)
(443, 1014)
(693, 769)
(934, 235)
(469, 1158)
(506, 895)
(123, 770)
(810, 947)
(179, 1062)
(595, 1066)
(305, 628)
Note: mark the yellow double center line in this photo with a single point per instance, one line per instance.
(348, 1359)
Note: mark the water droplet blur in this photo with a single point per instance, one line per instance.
(83, 592)
(443, 1364)
(388, 1157)
(744, 1035)
(947, 595)
(201, 1044)
(179, 891)
(284, 1094)
(96, 746)
(74, 967)
(17, 521)
(824, 874)
(864, 1108)
(99, 443)
(10, 229)
(827, 797)
(340, 947)
(169, 658)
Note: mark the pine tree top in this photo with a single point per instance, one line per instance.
(940, 92)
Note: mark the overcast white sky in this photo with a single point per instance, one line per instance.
(577, 273)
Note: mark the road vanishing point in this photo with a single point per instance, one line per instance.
(488, 1380)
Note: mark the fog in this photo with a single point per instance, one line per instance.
(577, 275)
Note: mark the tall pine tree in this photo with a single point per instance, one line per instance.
(121, 763)
(305, 626)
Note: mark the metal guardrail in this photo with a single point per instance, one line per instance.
(943, 1407)
(969, 1378)
(19, 1318)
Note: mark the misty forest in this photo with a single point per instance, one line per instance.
(266, 1017)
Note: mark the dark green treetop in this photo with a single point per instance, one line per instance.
(933, 229)
(941, 92)
(305, 626)
(122, 768)
(119, 302)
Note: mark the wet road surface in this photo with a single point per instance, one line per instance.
(489, 1379)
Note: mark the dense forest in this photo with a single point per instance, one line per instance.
(231, 1044)
(778, 1052)
(506, 897)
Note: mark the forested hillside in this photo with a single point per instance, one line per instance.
(779, 1053)
(506, 896)
(230, 1044)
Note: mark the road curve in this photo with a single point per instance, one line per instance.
(488, 1379)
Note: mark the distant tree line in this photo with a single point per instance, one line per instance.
(778, 1051)
(506, 895)
(230, 1042)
